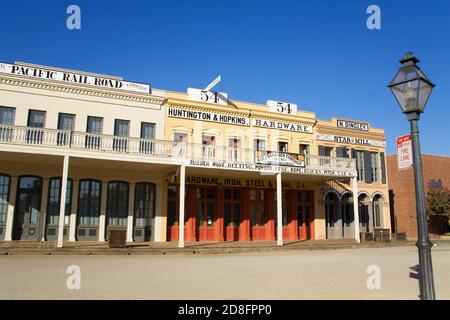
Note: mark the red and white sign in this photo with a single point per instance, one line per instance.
(404, 152)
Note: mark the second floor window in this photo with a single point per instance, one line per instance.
(360, 165)
(374, 166)
(303, 149)
(259, 145)
(325, 151)
(342, 152)
(208, 144)
(234, 149)
(7, 116)
(282, 146)
(36, 119)
(66, 122)
(95, 125)
(121, 129)
(147, 130)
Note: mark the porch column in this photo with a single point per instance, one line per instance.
(181, 209)
(73, 211)
(279, 211)
(355, 207)
(44, 207)
(130, 213)
(11, 206)
(102, 220)
(62, 203)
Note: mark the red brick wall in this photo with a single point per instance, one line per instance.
(402, 191)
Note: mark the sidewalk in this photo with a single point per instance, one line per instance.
(164, 248)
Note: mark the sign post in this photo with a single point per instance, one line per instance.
(404, 152)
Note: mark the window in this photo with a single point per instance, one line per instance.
(234, 149)
(4, 197)
(7, 116)
(282, 146)
(209, 146)
(257, 214)
(147, 130)
(377, 210)
(95, 127)
(342, 152)
(147, 133)
(325, 151)
(54, 196)
(6, 119)
(36, 119)
(66, 122)
(144, 204)
(303, 149)
(331, 207)
(117, 204)
(259, 145)
(121, 129)
(374, 167)
(360, 165)
(89, 200)
(232, 207)
(180, 137)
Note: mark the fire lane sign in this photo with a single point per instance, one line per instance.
(404, 152)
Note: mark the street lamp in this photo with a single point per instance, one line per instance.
(412, 89)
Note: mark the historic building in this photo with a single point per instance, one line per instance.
(436, 170)
(82, 153)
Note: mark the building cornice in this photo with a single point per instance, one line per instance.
(80, 89)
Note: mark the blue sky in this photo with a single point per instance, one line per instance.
(318, 54)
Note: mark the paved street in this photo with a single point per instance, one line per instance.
(319, 274)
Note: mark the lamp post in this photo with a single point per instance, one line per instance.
(412, 89)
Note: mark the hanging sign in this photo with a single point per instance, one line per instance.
(404, 152)
(353, 125)
(280, 158)
(351, 140)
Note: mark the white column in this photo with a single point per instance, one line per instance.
(130, 213)
(44, 207)
(73, 211)
(11, 206)
(181, 209)
(62, 202)
(355, 207)
(102, 220)
(279, 211)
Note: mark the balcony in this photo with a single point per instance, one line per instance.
(160, 151)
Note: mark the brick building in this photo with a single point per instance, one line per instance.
(402, 192)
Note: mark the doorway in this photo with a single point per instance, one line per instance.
(206, 213)
(28, 208)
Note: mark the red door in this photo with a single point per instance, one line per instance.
(206, 214)
(232, 214)
(257, 215)
(305, 214)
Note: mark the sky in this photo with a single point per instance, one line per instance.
(317, 54)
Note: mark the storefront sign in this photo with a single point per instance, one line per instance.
(351, 140)
(404, 152)
(282, 107)
(280, 158)
(353, 125)
(268, 169)
(73, 78)
(281, 125)
(247, 183)
(208, 96)
(207, 116)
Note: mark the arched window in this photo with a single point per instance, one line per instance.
(331, 207)
(117, 207)
(363, 206)
(5, 182)
(377, 210)
(144, 204)
(347, 209)
(54, 200)
(89, 200)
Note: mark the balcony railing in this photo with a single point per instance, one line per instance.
(74, 140)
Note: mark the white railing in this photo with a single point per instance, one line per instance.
(151, 148)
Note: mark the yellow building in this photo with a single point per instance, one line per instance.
(82, 154)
